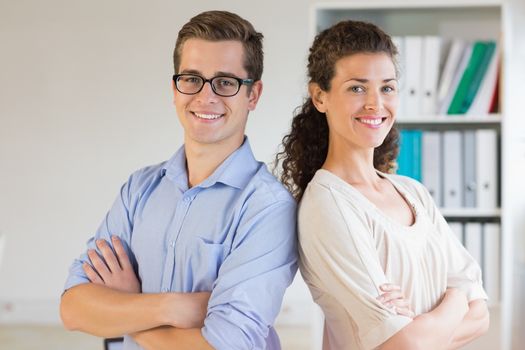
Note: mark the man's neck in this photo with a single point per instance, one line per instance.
(203, 159)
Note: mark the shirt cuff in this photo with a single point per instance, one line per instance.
(230, 331)
(76, 276)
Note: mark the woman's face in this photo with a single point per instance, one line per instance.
(362, 101)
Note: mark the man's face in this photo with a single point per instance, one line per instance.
(209, 119)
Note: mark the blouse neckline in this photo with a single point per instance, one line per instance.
(404, 194)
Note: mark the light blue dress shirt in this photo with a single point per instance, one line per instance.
(234, 234)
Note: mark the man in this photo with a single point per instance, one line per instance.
(210, 233)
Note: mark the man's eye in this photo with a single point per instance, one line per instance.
(225, 82)
(357, 88)
(192, 80)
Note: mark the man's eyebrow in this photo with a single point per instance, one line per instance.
(217, 74)
(225, 74)
(190, 71)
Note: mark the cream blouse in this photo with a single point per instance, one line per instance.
(348, 248)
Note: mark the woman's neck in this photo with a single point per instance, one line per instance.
(355, 166)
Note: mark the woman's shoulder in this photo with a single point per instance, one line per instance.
(324, 187)
(327, 194)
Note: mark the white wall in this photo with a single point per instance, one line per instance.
(85, 100)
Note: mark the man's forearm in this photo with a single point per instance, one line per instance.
(105, 312)
(433, 330)
(475, 323)
(171, 338)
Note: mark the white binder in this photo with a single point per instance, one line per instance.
(473, 241)
(430, 72)
(399, 41)
(431, 165)
(487, 168)
(469, 169)
(413, 87)
(457, 229)
(452, 169)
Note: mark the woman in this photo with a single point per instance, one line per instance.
(376, 253)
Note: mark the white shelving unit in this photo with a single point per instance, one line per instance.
(472, 121)
(472, 20)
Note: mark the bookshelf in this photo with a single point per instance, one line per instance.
(489, 120)
(470, 20)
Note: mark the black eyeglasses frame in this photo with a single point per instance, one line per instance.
(247, 82)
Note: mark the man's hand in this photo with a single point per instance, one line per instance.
(182, 310)
(394, 298)
(113, 271)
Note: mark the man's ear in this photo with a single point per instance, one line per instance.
(254, 94)
(318, 97)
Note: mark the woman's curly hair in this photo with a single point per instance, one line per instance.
(306, 146)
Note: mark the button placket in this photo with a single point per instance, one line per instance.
(173, 234)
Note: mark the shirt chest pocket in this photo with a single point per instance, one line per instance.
(198, 261)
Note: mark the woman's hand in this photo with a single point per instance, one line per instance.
(394, 299)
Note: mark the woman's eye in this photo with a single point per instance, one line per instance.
(388, 89)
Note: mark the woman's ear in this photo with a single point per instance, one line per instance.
(318, 97)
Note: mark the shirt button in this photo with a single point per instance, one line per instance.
(172, 244)
(187, 199)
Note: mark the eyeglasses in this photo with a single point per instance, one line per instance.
(191, 84)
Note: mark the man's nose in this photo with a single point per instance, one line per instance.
(207, 92)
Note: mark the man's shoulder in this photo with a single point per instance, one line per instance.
(265, 187)
(146, 176)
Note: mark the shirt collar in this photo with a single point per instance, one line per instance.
(235, 171)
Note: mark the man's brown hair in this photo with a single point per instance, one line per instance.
(223, 25)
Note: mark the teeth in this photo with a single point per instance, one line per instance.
(371, 121)
(208, 116)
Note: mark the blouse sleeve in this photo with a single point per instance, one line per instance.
(338, 258)
(463, 272)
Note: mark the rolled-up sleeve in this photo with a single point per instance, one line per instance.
(248, 292)
(116, 222)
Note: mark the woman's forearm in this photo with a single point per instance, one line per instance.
(475, 323)
(432, 330)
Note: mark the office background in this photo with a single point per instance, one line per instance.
(85, 99)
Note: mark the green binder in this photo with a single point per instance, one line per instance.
(478, 77)
(478, 52)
